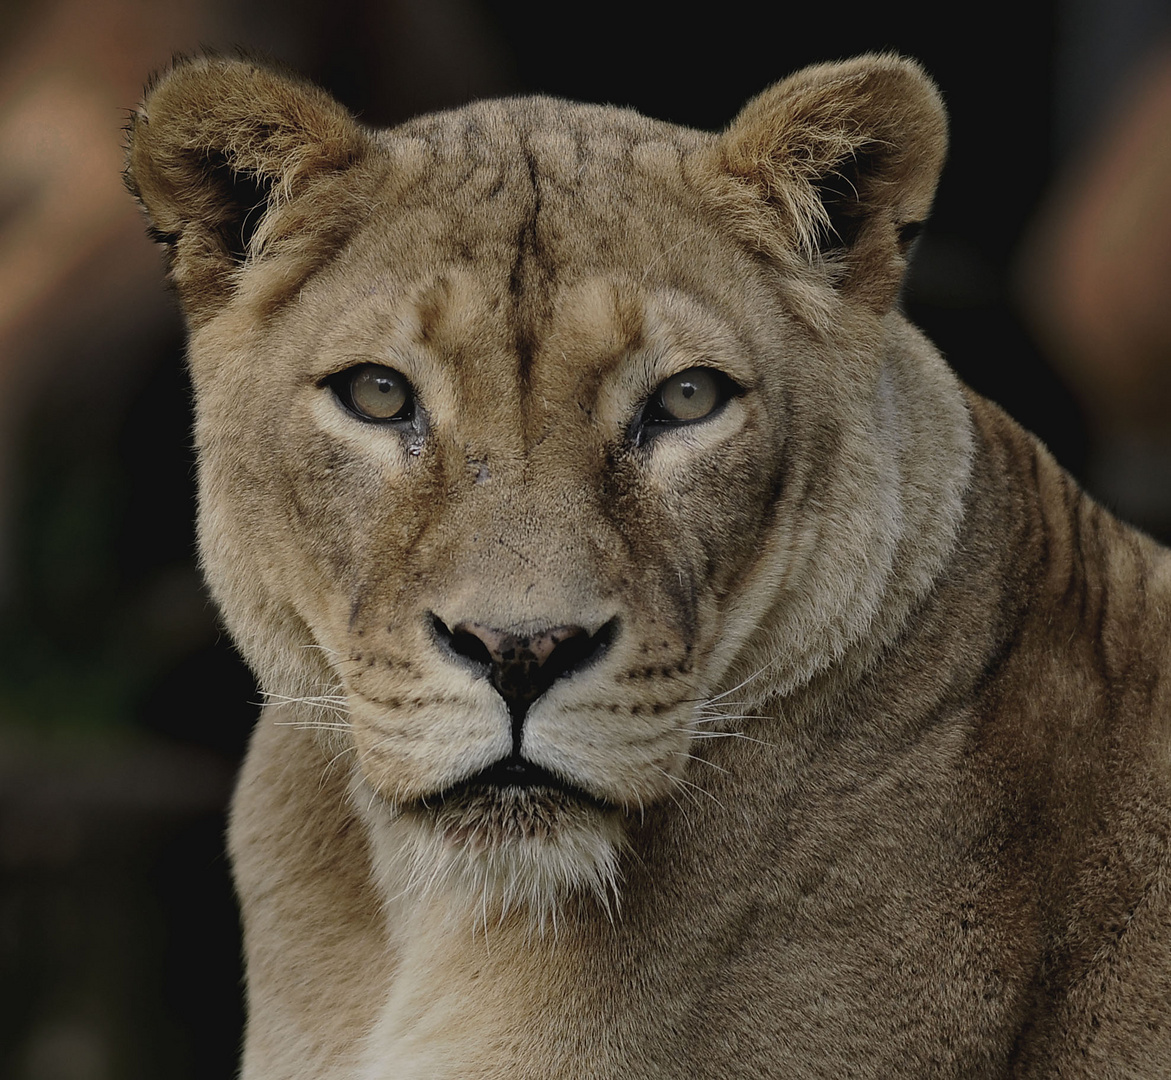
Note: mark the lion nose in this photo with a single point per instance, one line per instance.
(523, 666)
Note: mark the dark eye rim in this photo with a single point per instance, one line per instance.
(340, 383)
(653, 419)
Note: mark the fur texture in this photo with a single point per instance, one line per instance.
(823, 733)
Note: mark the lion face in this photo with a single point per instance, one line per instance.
(519, 447)
(512, 518)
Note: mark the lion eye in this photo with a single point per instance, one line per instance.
(374, 392)
(690, 395)
(686, 398)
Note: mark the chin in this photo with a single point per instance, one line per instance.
(495, 850)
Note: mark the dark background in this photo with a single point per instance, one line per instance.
(123, 709)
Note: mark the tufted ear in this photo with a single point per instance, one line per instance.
(234, 162)
(843, 159)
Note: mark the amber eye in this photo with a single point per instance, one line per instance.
(686, 398)
(374, 392)
(690, 395)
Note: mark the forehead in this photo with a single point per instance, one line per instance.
(508, 222)
(530, 193)
(541, 154)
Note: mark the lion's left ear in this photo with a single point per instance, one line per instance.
(844, 159)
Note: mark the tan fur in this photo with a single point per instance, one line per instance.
(872, 770)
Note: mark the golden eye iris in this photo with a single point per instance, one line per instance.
(379, 393)
(690, 395)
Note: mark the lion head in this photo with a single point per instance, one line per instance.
(537, 441)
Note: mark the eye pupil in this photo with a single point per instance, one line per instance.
(689, 396)
(374, 392)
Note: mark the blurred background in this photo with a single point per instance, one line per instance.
(1043, 276)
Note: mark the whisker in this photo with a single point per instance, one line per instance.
(688, 788)
(755, 675)
(688, 784)
(693, 757)
(671, 791)
(713, 717)
(314, 700)
(331, 763)
(724, 735)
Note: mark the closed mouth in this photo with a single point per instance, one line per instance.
(515, 776)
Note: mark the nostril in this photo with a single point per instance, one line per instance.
(462, 643)
(467, 645)
(575, 648)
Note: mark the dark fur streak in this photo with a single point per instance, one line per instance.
(1100, 615)
(1075, 585)
(527, 253)
(778, 484)
(1035, 486)
(908, 233)
(1077, 557)
(999, 655)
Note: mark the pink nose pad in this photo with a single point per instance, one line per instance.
(523, 666)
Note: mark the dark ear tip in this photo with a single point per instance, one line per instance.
(161, 236)
(908, 233)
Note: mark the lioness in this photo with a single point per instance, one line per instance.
(672, 670)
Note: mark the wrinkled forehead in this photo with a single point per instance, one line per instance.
(557, 150)
(528, 192)
(533, 229)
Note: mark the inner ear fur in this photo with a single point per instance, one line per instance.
(844, 160)
(231, 160)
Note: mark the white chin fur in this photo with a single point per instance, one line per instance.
(495, 854)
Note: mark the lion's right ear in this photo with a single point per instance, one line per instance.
(233, 162)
